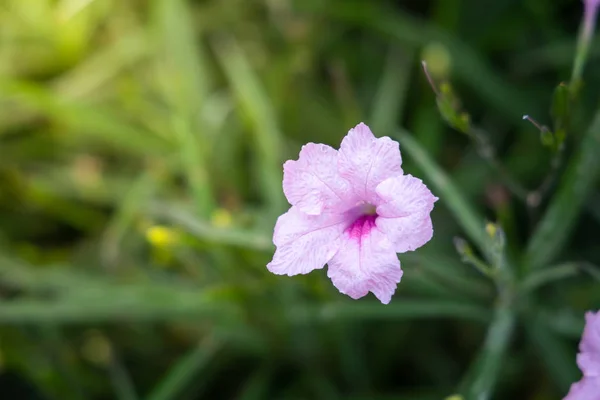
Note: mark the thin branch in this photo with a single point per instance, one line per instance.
(487, 153)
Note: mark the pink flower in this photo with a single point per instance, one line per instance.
(588, 358)
(589, 17)
(585, 389)
(352, 209)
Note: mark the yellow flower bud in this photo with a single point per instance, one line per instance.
(161, 236)
(221, 218)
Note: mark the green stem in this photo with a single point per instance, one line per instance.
(184, 371)
(583, 41)
(483, 374)
(121, 380)
(540, 278)
(559, 220)
(487, 153)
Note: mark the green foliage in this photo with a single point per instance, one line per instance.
(141, 152)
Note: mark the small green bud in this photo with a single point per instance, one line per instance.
(463, 122)
(560, 103)
(547, 137)
(462, 247)
(559, 136)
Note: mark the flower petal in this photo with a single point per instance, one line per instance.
(590, 340)
(366, 161)
(403, 214)
(589, 364)
(589, 357)
(305, 242)
(312, 183)
(585, 389)
(366, 262)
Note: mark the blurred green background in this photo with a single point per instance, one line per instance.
(141, 151)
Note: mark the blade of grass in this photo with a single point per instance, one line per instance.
(556, 226)
(538, 279)
(194, 165)
(256, 240)
(321, 387)
(565, 322)
(119, 307)
(467, 65)
(345, 92)
(121, 381)
(429, 128)
(257, 387)
(84, 299)
(101, 124)
(185, 370)
(100, 68)
(591, 269)
(186, 88)
(182, 54)
(419, 283)
(559, 361)
(255, 104)
(402, 309)
(52, 341)
(352, 357)
(388, 105)
(483, 374)
(17, 273)
(551, 56)
(129, 208)
(449, 271)
(418, 394)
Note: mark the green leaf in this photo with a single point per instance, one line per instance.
(61, 295)
(188, 82)
(391, 94)
(540, 278)
(448, 272)
(121, 306)
(560, 110)
(131, 205)
(257, 387)
(483, 374)
(558, 222)
(102, 124)
(564, 321)
(255, 104)
(547, 138)
(194, 161)
(185, 370)
(467, 65)
(103, 67)
(447, 106)
(186, 87)
(121, 381)
(558, 359)
(255, 240)
(404, 309)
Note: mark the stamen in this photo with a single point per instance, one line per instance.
(369, 209)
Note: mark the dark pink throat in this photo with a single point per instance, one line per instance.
(361, 226)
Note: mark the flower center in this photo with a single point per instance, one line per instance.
(368, 209)
(363, 220)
